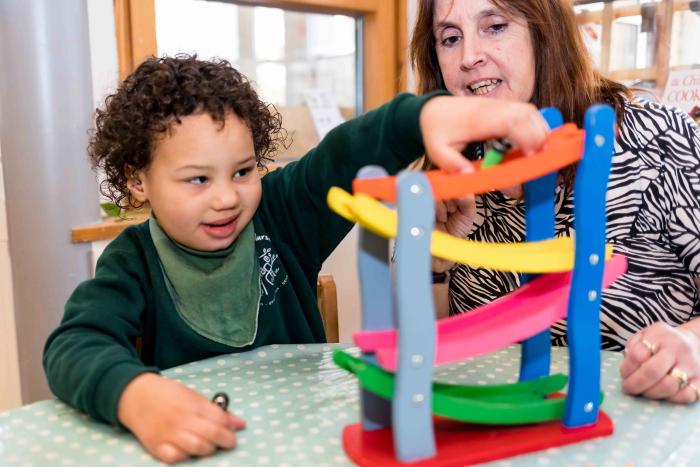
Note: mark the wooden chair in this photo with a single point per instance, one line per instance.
(327, 300)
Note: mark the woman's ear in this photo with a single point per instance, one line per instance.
(134, 183)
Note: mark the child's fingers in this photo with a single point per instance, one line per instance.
(220, 435)
(193, 443)
(529, 131)
(169, 453)
(448, 158)
(235, 422)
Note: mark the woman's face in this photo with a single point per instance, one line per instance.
(483, 51)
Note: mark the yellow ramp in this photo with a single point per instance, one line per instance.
(554, 255)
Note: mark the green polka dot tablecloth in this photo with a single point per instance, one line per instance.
(296, 403)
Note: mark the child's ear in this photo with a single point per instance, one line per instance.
(135, 185)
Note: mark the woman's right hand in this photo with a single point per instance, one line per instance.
(449, 123)
(174, 422)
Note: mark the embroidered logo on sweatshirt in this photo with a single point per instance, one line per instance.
(272, 275)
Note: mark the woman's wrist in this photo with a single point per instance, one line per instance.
(441, 277)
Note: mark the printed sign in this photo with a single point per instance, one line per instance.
(683, 89)
(324, 111)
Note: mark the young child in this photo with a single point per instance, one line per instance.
(228, 261)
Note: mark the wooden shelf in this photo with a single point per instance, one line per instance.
(107, 229)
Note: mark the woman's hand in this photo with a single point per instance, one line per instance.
(449, 123)
(662, 362)
(454, 217)
(174, 422)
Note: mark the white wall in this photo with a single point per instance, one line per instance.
(10, 394)
(105, 75)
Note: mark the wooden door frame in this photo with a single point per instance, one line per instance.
(383, 62)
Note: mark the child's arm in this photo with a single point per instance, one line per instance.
(91, 356)
(392, 137)
(91, 363)
(294, 198)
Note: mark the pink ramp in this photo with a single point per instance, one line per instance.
(526, 311)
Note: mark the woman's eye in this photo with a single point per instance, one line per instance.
(496, 28)
(197, 180)
(450, 40)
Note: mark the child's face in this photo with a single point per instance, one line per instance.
(202, 184)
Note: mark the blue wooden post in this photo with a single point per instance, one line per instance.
(377, 306)
(414, 437)
(539, 225)
(583, 322)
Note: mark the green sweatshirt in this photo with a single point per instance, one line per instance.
(91, 357)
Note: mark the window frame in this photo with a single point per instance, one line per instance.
(383, 22)
(664, 23)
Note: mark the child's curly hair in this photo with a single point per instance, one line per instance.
(155, 96)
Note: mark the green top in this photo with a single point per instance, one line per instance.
(91, 357)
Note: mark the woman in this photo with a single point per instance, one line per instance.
(531, 51)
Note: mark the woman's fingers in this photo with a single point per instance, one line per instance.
(662, 362)
(649, 373)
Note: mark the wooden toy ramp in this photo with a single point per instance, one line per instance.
(524, 312)
(554, 255)
(564, 147)
(507, 404)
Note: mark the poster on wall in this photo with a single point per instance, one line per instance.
(683, 90)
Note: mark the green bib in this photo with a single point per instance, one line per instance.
(216, 293)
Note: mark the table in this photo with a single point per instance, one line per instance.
(296, 403)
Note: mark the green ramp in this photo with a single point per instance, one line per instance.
(506, 404)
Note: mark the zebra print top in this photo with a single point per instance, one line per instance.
(653, 213)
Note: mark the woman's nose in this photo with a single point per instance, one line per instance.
(473, 53)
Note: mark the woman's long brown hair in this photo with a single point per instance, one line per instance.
(564, 73)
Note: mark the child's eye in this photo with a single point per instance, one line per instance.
(242, 172)
(197, 180)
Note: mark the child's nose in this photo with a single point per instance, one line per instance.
(225, 197)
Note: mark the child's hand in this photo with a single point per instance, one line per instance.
(174, 422)
(448, 123)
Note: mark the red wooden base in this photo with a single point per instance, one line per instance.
(461, 444)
